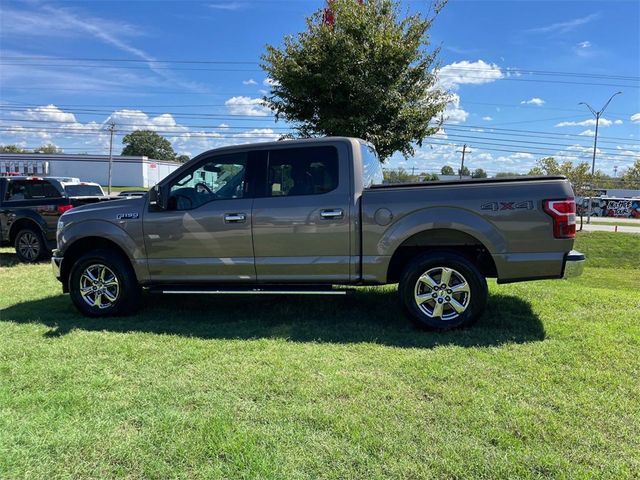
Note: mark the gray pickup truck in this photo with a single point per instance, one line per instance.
(298, 217)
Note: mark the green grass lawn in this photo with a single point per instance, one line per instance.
(546, 385)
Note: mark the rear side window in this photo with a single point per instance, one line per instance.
(30, 189)
(302, 171)
(371, 166)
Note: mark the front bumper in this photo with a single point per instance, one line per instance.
(573, 264)
(56, 264)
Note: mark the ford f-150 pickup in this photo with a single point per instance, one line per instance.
(302, 216)
(30, 208)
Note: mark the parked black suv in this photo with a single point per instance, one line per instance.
(30, 208)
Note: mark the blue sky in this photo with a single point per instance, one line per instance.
(516, 70)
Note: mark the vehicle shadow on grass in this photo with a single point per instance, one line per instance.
(370, 315)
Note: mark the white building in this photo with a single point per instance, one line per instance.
(126, 171)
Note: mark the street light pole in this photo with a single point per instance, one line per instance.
(112, 127)
(597, 114)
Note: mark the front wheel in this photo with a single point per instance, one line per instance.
(102, 283)
(442, 290)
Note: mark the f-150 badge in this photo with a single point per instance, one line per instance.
(495, 206)
(127, 216)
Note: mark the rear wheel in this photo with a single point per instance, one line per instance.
(443, 290)
(30, 246)
(102, 283)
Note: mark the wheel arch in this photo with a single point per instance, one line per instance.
(441, 239)
(86, 244)
(21, 223)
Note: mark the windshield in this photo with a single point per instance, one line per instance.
(371, 166)
(79, 190)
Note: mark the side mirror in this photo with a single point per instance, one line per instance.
(157, 200)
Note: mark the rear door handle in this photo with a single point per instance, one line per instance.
(235, 217)
(333, 213)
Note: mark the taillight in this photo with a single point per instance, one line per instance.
(63, 208)
(563, 213)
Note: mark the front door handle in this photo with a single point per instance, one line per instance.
(235, 217)
(333, 213)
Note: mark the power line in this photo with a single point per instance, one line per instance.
(505, 70)
(96, 128)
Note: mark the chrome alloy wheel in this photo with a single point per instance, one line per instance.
(99, 286)
(29, 245)
(442, 293)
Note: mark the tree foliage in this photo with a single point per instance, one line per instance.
(399, 175)
(479, 173)
(183, 158)
(12, 149)
(579, 175)
(149, 144)
(464, 171)
(48, 148)
(367, 75)
(631, 176)
(447, 170)
(430, 177)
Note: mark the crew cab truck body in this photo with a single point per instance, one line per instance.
(30, 208)
(301, 216)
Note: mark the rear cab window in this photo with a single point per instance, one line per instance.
(371, 166)
(83, 190)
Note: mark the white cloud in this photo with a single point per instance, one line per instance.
(618, 122)
(251, 81)
(270, 82)
(586, 123)
(487, 119)
(635, 118)
(460, 73)
(253, 107)
(538, 102)
(453, 113)
(259, 134)
(585, 44)
(564, 27)
(230, 6)
(588, 133)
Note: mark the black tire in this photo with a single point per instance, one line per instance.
(414, 288)
(30, 245)
(119, 298)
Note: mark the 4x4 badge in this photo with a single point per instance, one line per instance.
(495, 206)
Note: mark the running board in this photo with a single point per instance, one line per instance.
(249, 291)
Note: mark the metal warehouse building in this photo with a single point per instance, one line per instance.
(126, 171)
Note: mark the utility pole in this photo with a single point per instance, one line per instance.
(464, 149)
(615, 171)
(111, 128)
(595, 145)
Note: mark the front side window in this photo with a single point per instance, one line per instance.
(220, 178)
(302, 171)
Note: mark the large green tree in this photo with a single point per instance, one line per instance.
(149, 144)
(367, 73)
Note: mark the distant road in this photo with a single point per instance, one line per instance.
(610, 228)
(613, 220)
